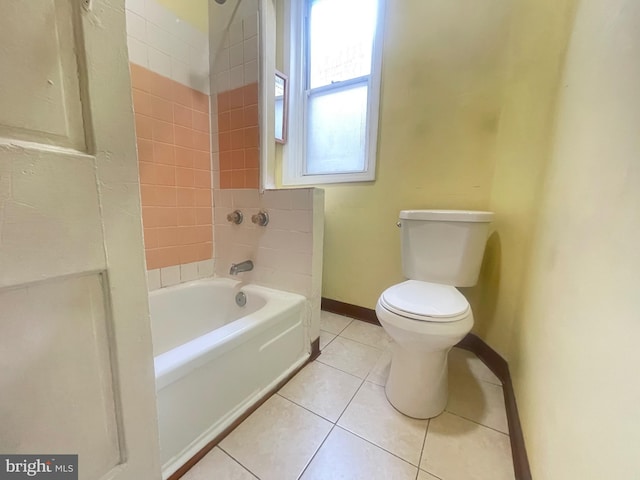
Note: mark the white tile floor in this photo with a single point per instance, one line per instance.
(333, 421)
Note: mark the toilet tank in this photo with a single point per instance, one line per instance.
(444, 246)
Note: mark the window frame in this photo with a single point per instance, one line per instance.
(294, 152)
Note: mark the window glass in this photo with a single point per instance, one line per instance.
(336, 134)
(341, 34)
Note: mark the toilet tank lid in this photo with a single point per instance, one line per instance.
(447, 215)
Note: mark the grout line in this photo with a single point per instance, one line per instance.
(476, 422)
(316, 452)
(378, 446)
(306, 408)
(237, 461)
(424, 442)
(335, 368)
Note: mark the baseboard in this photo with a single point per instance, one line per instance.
(353, 311)
(500, 368)
(489, 357)
(315, 352)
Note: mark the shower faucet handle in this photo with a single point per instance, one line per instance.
(261, 218)
(235, 217)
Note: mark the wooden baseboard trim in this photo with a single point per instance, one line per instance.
(353, 311)
(500, 368)
(315, 352)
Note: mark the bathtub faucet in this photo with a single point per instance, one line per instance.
(237, 268)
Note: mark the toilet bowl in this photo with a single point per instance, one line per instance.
(426, 315)
(425, 320)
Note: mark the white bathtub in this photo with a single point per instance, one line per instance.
(214, 360)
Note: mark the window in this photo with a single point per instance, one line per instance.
(335, 85)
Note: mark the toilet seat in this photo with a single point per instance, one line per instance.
(424, 301)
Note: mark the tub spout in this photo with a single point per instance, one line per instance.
(237, 268)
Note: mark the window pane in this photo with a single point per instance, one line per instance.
(341, 40)
(337, 127)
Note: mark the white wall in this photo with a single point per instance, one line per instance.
(576, 376)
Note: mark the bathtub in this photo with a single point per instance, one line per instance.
(214, 359)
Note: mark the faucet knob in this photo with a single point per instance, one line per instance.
(235, 217)
(261, 218)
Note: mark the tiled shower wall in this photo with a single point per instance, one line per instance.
(234, 89)
(287, 253)
(170, 81)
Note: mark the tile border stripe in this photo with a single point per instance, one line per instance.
(488, 356)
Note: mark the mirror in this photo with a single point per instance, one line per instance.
(281, 108)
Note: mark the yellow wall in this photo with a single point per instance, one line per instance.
(576, 368)
(537, 46)
(195, 12)
(444, 66)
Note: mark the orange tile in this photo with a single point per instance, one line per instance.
(167, 236)
(202, 178)
(252, 178)
(169, 256)
(185, 197)
(202, 160)
(184, 177)
(204, 234)
(152, 256)
(250, 116)
(236, 98)
(237, 138)
(147, 173)
(201, 141)
(163, 153)
(182, 115)
(150, 237)
(225, 179)
(237, 179)
(141, 102)
(224, 141)
(144, 127)
(205, 251)
(236, 119)
(184, 157)
(200, 101)
(165, 175)
(163, 131)
(186, 216)
(204, 216)
(250, 94)
(161, 86)
(223, 121)
(201, 121)
(182, 95)
(252, 158)
(251, 137)
(237, 159)
(188, 234)
(226, 161)
(184, 137)
(162, 109)
(189, 253)
(223, 102)
(165, 196)
(147, 196)
(203, 197)
(140, 77)
(159, 217)
(145, 150)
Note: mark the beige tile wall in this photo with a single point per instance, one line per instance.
(287, 253)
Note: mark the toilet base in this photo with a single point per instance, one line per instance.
(417, 385)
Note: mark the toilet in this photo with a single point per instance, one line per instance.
(426, 315)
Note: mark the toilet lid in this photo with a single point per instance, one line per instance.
(425, 301)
